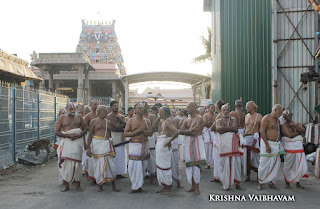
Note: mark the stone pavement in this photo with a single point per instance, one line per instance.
(38, 187)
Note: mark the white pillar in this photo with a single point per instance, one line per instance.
(203, 90)
(114, 90)
(194, 92)
(126, 95)
(42, 83)
(50, 81)
(86, 86)
(80, 86)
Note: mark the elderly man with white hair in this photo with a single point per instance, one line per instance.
(230, 154)
(270, 149)
(295, 163)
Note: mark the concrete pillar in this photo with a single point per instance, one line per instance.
(86, 86)
(203, 90)
(114, 90)
(80, 86)
(126, 96)
(194, 92)
(42, 83)
(51, 81)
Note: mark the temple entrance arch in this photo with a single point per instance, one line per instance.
(195, 80)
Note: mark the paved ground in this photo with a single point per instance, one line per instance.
(38, 187)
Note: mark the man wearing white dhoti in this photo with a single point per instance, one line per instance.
(71, 129)
(270, 148)
(195, 155)
(101, 150)
(230, 161)
(117, 124)
(86, 160)
(151, 166)
(138, 129)
(216, 144)
(250, 142)
(163, 152)
(208, 120)
(57, 143)
(295, 163)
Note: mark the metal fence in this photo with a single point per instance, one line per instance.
(25, 116)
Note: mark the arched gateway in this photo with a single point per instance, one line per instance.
(195, 80)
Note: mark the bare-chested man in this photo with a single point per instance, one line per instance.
(164, 154)
(230, 161)
(216, 144)
(87, 110)
(239, 115)
(194, 146)
(70, 128)
(101, 150)
(201, 111)
(117, 124)
(208, 120)
(151, 167)
(138, 129)
(130, 113)
(295, 163)
(86, 161)
(81, 110)
(251, 140)
(271, 148)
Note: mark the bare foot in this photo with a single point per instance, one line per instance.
(238, 187)
(115, 189)
(207, 167)
(259, 188)
(179, 185)
(152, 181)
(66, 188)
(79, 188)
(120, 177)
(215, 180)
(272, 186)
(190, 190)
(287, 186)
(93, 182)
(161, 190)
(166, 191)
(196, 192)
(133, 191)
(142, 191)
(298, 185)
(100, 188)
(247, 178)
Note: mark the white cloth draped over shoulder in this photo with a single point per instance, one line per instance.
(71, 157)
(120, 160)
(269, 162)
(230, 161)
(163, 161)
(295, 163)
(251, 149)
(216, 157)
(208, 144)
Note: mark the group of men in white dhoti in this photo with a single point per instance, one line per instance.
(232, 142)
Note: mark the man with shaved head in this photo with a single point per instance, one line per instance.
(251, 140)
(87, 109)
(138, 129)
(271, 148)
(87, 169)
(230, 161)
(208, 120)
(201, 111)
(101, 150)
(195, 155)
(70, 128)
(117, 124)
(295, 163)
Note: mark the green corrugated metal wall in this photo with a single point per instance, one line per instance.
(246, 47)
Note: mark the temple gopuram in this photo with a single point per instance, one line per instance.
(100, 43)
(94, 71)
